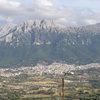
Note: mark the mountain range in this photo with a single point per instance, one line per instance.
(37, 41)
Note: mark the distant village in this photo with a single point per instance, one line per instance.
(42, 69)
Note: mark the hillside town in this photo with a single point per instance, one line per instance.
(43, 69)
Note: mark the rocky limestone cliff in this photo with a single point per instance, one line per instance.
(43, 40)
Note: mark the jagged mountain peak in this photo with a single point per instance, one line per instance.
(47, 24)
(39, 23)
(50, 41)
(41, 31)
(6, 29)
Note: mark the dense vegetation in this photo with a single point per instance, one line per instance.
(30, 55)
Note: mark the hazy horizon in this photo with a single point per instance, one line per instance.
(65, 12)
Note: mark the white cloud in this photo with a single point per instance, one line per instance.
(10, 20)
(44, 3)
(2, 18)
(14, 4)
(17, 12)
(6, 19)
(9, 4)
(91, 21)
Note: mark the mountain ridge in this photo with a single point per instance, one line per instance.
(43, 40)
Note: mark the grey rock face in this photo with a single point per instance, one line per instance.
(70, 44)
(47, 32)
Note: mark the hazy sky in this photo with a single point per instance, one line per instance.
(66, 12)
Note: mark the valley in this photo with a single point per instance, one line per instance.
(24, 84)
(37, 54)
